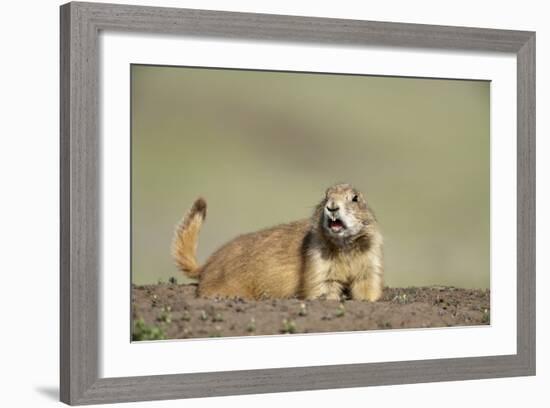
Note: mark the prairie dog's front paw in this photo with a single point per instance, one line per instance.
(364, 290)
(333, 296)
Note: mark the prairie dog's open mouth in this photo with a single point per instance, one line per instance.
(335, 225)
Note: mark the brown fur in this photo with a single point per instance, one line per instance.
(184, 245)
(302, 258)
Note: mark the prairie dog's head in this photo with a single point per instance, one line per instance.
(344, 213)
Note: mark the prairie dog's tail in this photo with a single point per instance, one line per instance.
(184, 245)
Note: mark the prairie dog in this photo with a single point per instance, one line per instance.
(338, 248)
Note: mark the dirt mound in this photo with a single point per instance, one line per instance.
(173, 311)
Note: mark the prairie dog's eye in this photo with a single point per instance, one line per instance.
(355, 198)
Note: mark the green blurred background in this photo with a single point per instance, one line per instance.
(262, 147)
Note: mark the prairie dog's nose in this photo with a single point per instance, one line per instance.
(332, 206)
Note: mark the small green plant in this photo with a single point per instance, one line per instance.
(341, 311)
(165, 315)
(251, 327)
(142, 331)
(303, 310)
(401, 299)
(486, 316)
(289, 326)
(204, 315)
(217, 332)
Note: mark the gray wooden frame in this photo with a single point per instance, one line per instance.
(80, 234)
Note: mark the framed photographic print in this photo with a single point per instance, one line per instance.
(257, 203)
